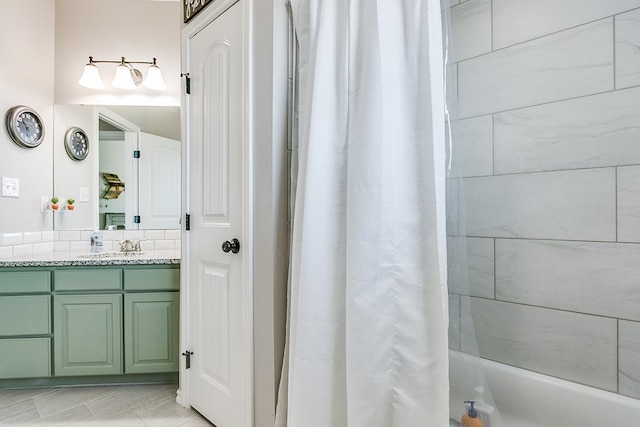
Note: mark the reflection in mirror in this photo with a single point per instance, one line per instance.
(117, 140)
(141, 145)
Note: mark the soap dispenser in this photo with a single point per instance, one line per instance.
(96, 242)
(471, 419)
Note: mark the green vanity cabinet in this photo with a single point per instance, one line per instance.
(17, 281)
(87, 279)
(151, 333)
(151, 317)
(25, 324)
(87, 325)
(25, 357)
(157, 279)
(87, 334)
(108, 321)
(25, 315)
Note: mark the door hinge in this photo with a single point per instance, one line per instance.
(187, 222)
(136, 154)
(136, 219)
(187, 82)
(187, 354)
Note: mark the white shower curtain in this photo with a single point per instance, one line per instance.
(367, 328)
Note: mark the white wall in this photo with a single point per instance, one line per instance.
(69, 174)
(26, 78)
(107, 30)
(547, 160)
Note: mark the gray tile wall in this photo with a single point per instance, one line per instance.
(545, 187)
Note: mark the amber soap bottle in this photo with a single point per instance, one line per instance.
(471, 419)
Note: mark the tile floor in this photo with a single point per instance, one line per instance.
(97, 406)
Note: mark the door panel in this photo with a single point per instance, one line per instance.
(215, 159)
(215, 288)
(219, 327)
(159, 182)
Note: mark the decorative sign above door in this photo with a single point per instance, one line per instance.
(192, 7)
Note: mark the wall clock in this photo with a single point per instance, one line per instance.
(25, 126)
(76, 142)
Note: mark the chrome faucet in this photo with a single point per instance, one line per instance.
(129, 245)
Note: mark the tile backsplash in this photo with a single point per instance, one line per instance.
(30, 243)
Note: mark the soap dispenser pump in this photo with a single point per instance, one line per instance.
(471, 419)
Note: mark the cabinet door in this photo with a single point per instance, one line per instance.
(151, 332)
(87, 334)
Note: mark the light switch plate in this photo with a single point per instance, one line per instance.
(83, 194)
(10, 187)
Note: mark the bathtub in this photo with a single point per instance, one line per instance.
(528, 399)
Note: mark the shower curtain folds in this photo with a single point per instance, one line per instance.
(367, 325)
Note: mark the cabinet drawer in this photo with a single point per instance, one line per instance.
(25, 358)
(87, 280)
(162, 279)
(24, 281)
(25, 315)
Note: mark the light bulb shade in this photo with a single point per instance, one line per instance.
(123, 78)
(91, 77)
(154, 79)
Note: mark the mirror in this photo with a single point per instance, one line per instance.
(149, 197)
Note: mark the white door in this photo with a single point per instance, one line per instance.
(219, 321)
(159, 182)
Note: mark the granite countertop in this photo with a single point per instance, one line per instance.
(72, 259)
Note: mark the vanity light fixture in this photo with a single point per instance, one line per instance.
(126, 76)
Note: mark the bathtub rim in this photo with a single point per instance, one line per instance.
(538, 400)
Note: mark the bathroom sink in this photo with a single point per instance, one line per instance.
(111, 255)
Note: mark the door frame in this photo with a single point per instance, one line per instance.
(131, 135)
(203, 19)
(267, 220)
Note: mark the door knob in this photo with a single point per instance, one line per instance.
(231, 246)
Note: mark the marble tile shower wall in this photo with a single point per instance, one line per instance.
(30, 243)
(545, 187)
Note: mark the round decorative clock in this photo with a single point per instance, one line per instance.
(25, 126)
(76, 142)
